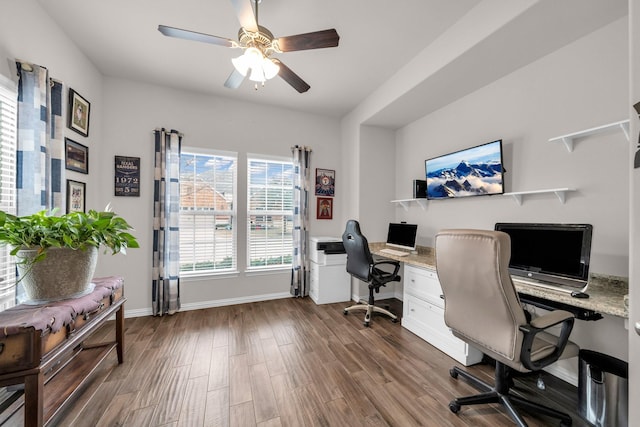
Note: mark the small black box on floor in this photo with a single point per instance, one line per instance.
(419, 189)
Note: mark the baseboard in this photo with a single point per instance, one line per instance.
(211, 304)
(567, 375)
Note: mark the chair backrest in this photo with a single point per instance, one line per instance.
(359, 258)
(481, 303)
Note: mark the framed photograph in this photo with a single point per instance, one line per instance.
(127, 176)
(324, 208)
(76, 156)
(76, 196)
(325, 182)
(78, 113)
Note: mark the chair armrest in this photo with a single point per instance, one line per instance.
(550, 319)
(539, 324)
(396, 265)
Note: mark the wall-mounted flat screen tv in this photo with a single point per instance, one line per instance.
(475, 171)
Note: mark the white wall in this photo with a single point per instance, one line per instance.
(582, 85)
(27, 33)
(134, 109)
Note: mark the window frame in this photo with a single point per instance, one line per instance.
(249, 213)
(233, 213)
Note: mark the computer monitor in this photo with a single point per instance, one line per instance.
(402, 235)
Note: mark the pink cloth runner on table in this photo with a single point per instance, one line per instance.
(54, 316)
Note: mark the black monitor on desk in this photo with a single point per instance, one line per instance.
(402, 235)
(558, 254)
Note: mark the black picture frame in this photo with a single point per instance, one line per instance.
(76, 196)
(78, 113)
(325, 182)
(76, 156)
(127, 176)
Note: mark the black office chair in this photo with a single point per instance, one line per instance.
(360, 264)
(482, 307)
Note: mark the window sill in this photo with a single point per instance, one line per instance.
(267, 271)
(194, 277)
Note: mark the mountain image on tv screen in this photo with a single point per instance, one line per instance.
(476, 171)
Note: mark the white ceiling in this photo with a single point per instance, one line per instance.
(377, 38)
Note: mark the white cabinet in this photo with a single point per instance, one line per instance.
(423, 314)
(330, 281)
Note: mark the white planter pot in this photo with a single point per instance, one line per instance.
(64, 273)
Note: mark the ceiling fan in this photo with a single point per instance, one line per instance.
(259, 45)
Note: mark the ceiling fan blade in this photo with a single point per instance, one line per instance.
(292, 78)
(234, 80)
(245, 14)
(195, 36)
(315, 40)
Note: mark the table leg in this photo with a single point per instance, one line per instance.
(33, 400)
(120, 333)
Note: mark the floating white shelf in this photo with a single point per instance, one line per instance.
(568, 139)
(559, 192)
(406, 202)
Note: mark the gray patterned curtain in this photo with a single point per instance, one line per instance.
(166, 219)
(40, 159)
(301, 182)
(40, 152)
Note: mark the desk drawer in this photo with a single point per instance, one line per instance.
(427, 321)
(424, 284)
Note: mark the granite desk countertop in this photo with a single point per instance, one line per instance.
(606, 293)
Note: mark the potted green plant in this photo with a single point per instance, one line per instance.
(57, 255)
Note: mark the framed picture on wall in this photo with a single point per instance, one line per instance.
(324, 208)
(78, 113)
(325, 182)
(76, 196)
(127, 176)
(76, 156)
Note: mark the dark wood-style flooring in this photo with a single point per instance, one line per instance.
(286, 362)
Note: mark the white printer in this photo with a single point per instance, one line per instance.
(330, 281)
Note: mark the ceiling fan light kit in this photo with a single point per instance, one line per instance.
(259, 44)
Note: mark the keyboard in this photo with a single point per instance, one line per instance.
(394, 252)
(550, 286)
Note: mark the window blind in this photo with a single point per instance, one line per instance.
(270, 212)
(8, 146)
(207, 212)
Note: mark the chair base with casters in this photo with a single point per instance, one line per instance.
(371, 308)
(500, 393)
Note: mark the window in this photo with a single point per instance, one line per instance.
(207, 212)
(270, 212)
(8, 146)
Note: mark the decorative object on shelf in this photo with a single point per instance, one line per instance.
(419, 189)
(76, 157)
(76, 196)
(324, 208)
(325, 182)
(127, 176)
(79, 111)
(56, 255)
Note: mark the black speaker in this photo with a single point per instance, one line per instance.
(419, 189)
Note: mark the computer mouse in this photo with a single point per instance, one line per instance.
(577, 294)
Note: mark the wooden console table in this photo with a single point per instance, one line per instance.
(39, 341)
